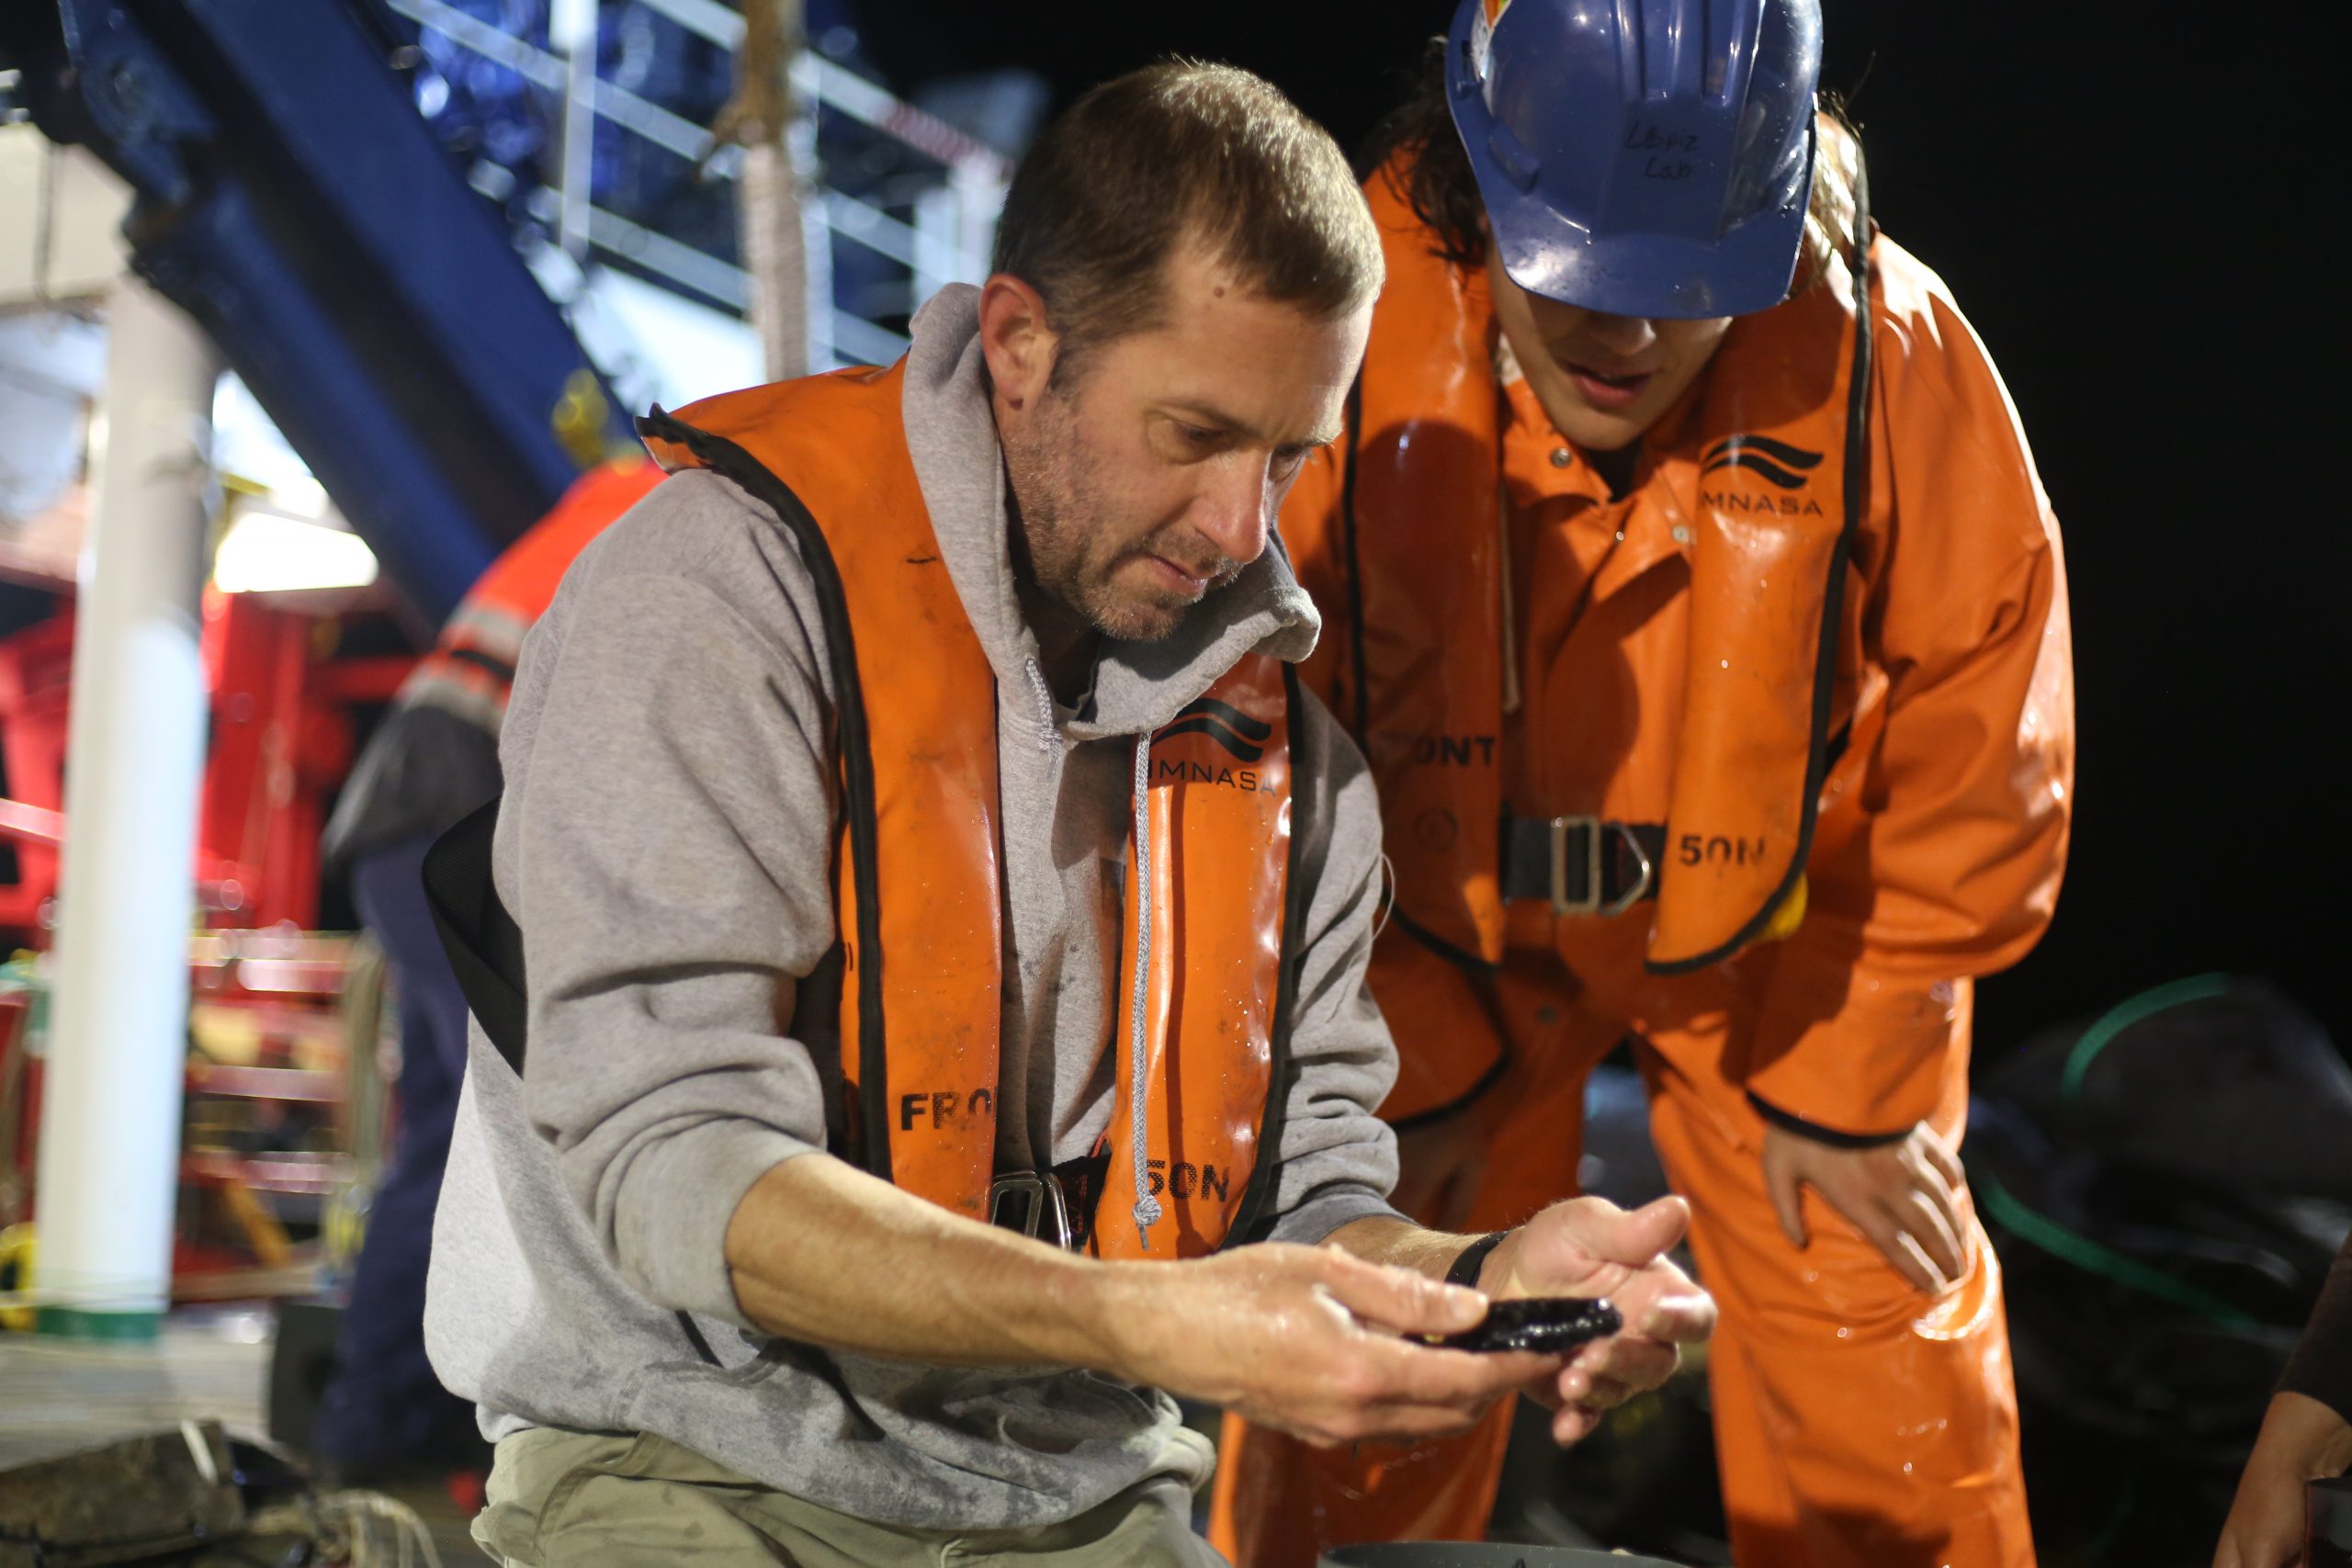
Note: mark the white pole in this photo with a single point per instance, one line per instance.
(775, 247)
(816, 237)
(110, 1107)
(771, 235)
(980, 197)
(571, 27)
(935, 250)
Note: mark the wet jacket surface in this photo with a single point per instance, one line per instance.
(1943, 816)
(667, 846)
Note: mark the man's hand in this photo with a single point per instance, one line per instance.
(1308, 1340)
(1318, 1342)
(1903, 1196)
(1590, 1247)
(2303, 1440)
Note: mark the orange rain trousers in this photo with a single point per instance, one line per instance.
(1892, 1413)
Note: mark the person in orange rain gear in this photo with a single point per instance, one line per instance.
(1708, 639)
(945, 1037)
(434, 758)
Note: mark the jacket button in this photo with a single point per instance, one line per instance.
(1681, 535)
(1561, 458)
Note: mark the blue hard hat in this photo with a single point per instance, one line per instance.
(1641, 157)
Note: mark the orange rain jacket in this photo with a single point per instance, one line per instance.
(1946, 740)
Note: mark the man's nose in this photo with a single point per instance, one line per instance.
(1234, 509)
(1625, 335)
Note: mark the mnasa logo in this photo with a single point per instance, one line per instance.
(1232, 730)
(1776, 462)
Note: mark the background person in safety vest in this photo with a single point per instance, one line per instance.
(433, 760)
(912, 822)
(1710, 653)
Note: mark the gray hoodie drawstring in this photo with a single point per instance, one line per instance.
(1048, 732)
(1147, 1212)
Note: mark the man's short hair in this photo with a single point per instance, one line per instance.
(1179, 153)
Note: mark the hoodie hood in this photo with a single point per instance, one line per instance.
(1138, 686)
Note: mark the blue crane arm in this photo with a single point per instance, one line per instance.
(290, 197)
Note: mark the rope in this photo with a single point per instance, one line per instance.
(1147, 1210)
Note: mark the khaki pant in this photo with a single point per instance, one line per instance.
(579, 1500)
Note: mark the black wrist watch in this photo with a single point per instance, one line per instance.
(1472, 1259)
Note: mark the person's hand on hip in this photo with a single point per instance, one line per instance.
(1904, 1197)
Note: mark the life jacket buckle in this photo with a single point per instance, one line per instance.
(1033, 1202)
(1594, 832)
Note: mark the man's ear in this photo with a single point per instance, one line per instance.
(1016, 339)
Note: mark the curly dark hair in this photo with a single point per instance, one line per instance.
(1436, 177)
(1418, 147)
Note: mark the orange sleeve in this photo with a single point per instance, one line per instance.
(1312, 531)
(1945, 861)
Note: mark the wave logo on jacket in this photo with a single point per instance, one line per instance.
(1227, 726)
(1779, 462)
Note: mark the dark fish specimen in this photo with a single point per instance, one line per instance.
(1543, 1324)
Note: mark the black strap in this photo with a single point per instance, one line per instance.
(1084, 1181)
(484, 944)
(1471, 1261)
(1016, 1203)
(497, 669)
(869, 1144)
(1358, 697)
(1528, 863)
(1790, 1121)
(1824, 664)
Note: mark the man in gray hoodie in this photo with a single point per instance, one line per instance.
(697, 1314)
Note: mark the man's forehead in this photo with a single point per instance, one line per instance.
(1239, 360)
(1194, 265)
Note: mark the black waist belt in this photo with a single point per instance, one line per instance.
(1055, 1206)
(1582, 865)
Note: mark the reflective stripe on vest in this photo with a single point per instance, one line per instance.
(918, 888)
(1784, 397)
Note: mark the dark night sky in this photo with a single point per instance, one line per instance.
(2130, 216)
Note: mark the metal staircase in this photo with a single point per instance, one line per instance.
(436, 239)
(930, 221)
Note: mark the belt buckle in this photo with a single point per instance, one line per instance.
(1595, 830)
(1041, 1199)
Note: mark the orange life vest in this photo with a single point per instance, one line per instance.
(917, 889)
(1763, 482)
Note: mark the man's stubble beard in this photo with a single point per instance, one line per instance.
(1063, 504)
